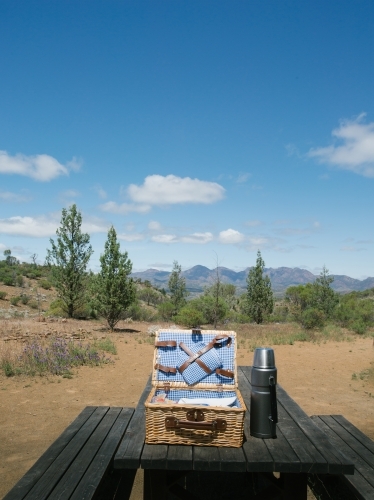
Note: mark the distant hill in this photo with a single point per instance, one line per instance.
(281, 278)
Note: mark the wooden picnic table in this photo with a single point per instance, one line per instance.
(300, 448)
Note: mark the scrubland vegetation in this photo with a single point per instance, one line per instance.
(311, 312)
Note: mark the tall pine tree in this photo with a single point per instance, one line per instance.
(113, 289)
(259, 293)
(68, 260)
(177, 287)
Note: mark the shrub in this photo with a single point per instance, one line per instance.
(33, 304)
(20, 281)
(359, 326)
(312, 318)
(45, 284)
(188, 316)
(8, 281)
(57, 309)
(3, 295)
(166, 310)
(25, 299)
(14, 300)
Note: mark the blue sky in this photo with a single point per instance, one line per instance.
(202, 130)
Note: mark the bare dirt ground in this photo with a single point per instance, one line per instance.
(35, 410)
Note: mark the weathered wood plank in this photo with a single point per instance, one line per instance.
(180, 457)
(232, 459)
(356, 482)
(154, 456)
(206, 458)
(356, 433)
(361, 456)
(130, 450)
(54, 473)
(70, 480)
(337, 463)
(91, 480)
(310, 458)
(31, 477)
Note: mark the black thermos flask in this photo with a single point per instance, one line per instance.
(263, 411)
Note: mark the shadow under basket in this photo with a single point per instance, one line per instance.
(193, 424)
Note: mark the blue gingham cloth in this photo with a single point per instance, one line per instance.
(194, 373)
(169, 356)
(177, 394)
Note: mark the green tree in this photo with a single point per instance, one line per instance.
(177, 287)
(9, 259)
(260, 300)
(323, 296)
(68, 260)
(114, 290)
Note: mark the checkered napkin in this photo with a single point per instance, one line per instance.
(194, 373)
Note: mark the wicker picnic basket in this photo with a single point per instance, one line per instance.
(178, 422)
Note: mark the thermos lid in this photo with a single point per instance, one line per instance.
(264, 358)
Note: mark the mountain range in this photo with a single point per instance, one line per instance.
(281, 278)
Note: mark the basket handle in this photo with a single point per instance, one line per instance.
(216, 425)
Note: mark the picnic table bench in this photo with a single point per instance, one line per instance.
(357, 447)
(78, 464)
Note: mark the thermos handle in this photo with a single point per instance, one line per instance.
(273, 401)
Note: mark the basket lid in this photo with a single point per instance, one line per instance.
(168, 355)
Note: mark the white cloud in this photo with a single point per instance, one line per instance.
(3, 247)
(243, 177)
(39, 167)
(230, 236)
(130, 237)
(354, 150)
(165, 238)
(169, 190)
(44, 226)
(7, 196)
(37, 227)
(124, 208)
(153, 225)
(200, 238)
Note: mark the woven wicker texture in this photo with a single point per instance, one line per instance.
(156, 432)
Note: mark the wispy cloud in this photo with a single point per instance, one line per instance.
(194, 238)
(230, 236)
(124, 208)
(170, 190)
(165, 238)
(130, 236)
(243, 177)
(353, 147)
(153, 225)
(42, 168)
(9, 197)
(199, 238)
(100, 191)
(46, 225)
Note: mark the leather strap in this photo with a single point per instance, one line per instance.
(166, 369)
(225, 373)
(193, 357)
(166, 343)
(218, 424)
